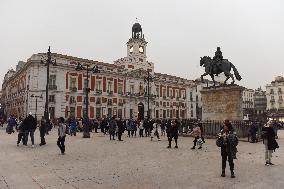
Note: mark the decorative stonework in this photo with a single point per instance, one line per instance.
(222, 103)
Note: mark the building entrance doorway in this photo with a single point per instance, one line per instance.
(140, 111)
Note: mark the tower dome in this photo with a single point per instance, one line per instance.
(137, 31)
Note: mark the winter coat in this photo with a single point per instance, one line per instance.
(30, 123)
(73, 125)
(120, 126)
(228, 144)
(269, 135)
(196, 132)
(62, 130)
(43, 126)
(112, 126)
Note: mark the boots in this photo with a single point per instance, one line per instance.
(223, 173)
(232, 174)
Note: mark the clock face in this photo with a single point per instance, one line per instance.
(141, 49)
(131, 49)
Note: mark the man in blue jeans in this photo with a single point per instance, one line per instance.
(30, 124)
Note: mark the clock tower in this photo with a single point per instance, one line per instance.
(136, 51)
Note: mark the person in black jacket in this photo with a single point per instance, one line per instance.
(227, 141)
(120, 129)
(42, 130)
(30, 123)
(268, 136)
(172, 132)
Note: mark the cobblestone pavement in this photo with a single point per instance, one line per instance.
(134, 163)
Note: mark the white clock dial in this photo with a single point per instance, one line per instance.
(141, 49)
(131, 50)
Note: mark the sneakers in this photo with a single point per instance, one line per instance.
(17, 144)
(267, 163)
(169, 147)
(176, 146)
(271, 163)
(200, 147)
(193, 148)
(223, 174)
(33, 146)
(159, 139)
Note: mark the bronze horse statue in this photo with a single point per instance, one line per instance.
(212, 69)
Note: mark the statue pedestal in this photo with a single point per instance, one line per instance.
(223, 102)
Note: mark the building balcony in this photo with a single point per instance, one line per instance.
(72, 102)
(164, 97)
(73, 89)
(99, 92)
(272, 100)
(52, 87)
(109, 92)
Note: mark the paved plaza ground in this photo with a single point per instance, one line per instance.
(135, 163)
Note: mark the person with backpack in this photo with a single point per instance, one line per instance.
(268, 135)
(227, 141)
(73, 126)
(61, 135)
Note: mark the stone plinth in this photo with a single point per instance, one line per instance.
(220, 103)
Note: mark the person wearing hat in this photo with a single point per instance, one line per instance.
(268, 136)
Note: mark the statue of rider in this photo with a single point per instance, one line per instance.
(218, 58)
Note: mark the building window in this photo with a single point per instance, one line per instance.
(72, 99)
(119, 113)
(109, 86)
(52, 80)
(99, 85)
(131, 113)
(157, 91)
(191, 113)
(51, 98)
(98, 112)
(73, 83)
(72, 111)
(52, 112)
(131, 89)
(85, 84)
(120, 88)
(164, 93)
(271, 91)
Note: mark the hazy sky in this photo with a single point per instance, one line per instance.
(249, 32)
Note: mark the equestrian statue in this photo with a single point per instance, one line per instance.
(219, 65)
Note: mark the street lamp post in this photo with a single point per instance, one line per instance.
(94, 69)
(36, 97)
(48, 62)
(147, 80)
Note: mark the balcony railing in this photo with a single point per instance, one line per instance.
(272, 100)
(73, 89)
(99, 91)
(110, 92)
(52, 87)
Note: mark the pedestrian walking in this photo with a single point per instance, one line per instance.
(252, 132)
(163, 128)
(73, 126)
(269, 141)
(156, 126)
(141, 128)
(61, 135)
(11, 124)
(30, 123)
(20, 131)
(120, 129)
(196, 133)
(228, 141)
(172, 132)
(42, 130)
(112, 128)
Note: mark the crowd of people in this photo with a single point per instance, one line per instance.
(227, 139)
